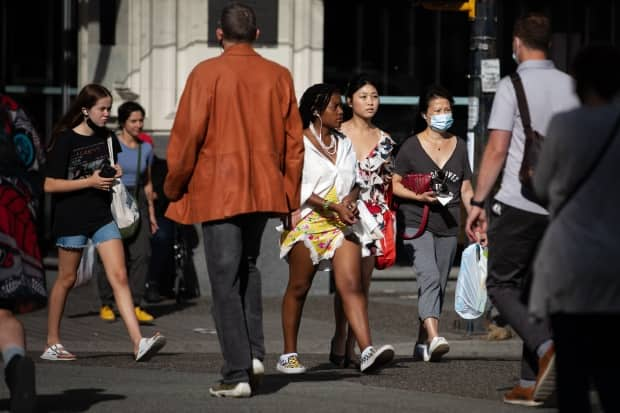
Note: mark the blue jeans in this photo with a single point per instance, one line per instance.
(105, 233)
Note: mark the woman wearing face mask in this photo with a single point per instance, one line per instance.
(373, 148)
(77, 155)
(436, 151)
(323, 232)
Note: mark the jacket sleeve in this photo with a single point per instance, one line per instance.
(187, 135)
(294, 147)
(547, 162)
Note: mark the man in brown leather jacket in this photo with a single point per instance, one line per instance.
(234, 159)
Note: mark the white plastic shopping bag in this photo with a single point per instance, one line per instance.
(86, 270)
(471, 292)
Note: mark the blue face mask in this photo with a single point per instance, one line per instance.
(442, 122)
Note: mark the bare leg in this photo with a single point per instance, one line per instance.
(368, 265)
(68, 261)
(431, 327)
(346, 263)
(113, 259)
(11, 331)
(301, 274)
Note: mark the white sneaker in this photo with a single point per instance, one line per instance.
(257, 374)
(420, 352)
(241, 389)
(290, 365)
(374, 359)
(148, 347)
(438, 347)
(257, 367)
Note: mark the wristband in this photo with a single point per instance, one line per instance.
(326, 205)
(473, 202)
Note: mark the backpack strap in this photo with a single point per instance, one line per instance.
(522, 102)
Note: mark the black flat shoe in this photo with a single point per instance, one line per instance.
(338, 361)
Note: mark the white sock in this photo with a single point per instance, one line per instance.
(10, 352)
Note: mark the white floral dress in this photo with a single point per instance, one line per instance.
(374, 175)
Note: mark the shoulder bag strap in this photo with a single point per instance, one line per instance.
(135, 195)
(522, 102)
(110, 150)
(422, 226)
(597, 160)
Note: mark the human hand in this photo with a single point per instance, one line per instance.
(350, 203)
(346, 214)
(481, 238)
(429, 197)
(153, 221)
(99, 182)
(476, 223)
(291, 220)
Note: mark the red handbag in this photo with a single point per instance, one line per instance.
(418, 183)
(388, 242)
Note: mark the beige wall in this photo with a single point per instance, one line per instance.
(158, 42)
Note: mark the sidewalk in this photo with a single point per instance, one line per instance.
(105, 378)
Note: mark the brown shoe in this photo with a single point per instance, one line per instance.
(497, 333)
(522, 396)
(545, 381)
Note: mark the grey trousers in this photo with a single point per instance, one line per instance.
(432, 258)
(137, 257)
(514, 235)
(231, 249)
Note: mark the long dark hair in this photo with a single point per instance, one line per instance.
(87, 98)
(315, 99)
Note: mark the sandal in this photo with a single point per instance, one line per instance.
(57, 352)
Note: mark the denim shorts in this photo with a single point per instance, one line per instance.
(107, 232)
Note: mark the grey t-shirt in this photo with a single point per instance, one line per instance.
(412, 158)
(548, 91)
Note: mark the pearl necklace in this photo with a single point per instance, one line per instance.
(331, 148)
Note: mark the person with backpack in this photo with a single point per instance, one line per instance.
(22, 276)
(517, 223)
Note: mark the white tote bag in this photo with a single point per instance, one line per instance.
(471, 292)
(124, 208)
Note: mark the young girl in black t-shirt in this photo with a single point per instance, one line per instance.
(77, 153)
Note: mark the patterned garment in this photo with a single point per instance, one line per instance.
(374, 173)
(322, 233)
(22, 276)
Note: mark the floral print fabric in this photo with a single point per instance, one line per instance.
(322, 233)
(375, 177)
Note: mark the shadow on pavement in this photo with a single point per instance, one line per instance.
(74, 400)
(159, 310)
(272, 383)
